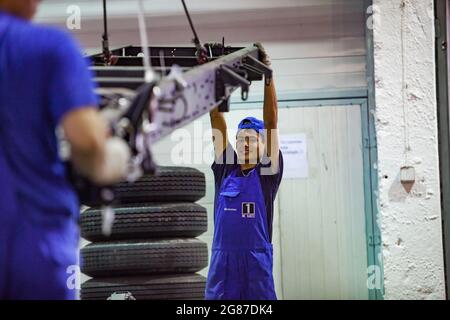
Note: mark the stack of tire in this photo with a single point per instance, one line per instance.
(152, 253)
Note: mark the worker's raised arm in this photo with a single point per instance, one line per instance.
(270, 117)
(271, 125)
(219, 127)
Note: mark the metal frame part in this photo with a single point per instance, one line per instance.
(144, 112)
(441, 34)
(189, 91)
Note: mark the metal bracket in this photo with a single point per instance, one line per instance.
(257, 68)
(230, 77)
(158, 108)
(140, 112)
(139, 105)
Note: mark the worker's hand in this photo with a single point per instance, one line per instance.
(263, 54)
(116, 162)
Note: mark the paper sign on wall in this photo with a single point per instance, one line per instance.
(294, 149)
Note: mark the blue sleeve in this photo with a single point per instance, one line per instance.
(71, 83)
(273, 180)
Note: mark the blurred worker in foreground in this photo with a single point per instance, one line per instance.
(44, 84)
(246, 185)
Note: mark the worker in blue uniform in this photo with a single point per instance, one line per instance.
(45, 84)
(246, 183)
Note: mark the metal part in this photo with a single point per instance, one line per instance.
(205, 89)
(143, 113)
(441, 9)
(121, 296)
(149, 75)
(181, 56)
(256, 68)
(184, 96)
(201, 53)
(105, 41)
(143, 105)
(226, 78)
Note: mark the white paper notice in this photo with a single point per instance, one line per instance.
(294, 149)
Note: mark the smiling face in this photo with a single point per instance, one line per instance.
(25, 9)
(249, 146)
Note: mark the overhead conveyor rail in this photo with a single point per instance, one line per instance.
(190, 90)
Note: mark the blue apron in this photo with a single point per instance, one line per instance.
(242, 255)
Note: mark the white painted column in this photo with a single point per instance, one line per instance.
(406, 124)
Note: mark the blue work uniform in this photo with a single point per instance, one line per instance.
(241, 266)
(43, 77)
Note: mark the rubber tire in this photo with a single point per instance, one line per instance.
(162, 287)
(165, 287)
(170, 184)
(157, 220)
(144, 257)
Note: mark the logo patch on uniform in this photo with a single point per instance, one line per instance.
(248, 209)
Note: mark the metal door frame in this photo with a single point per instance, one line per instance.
(443, 127)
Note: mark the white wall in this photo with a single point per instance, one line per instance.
(406, 115)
